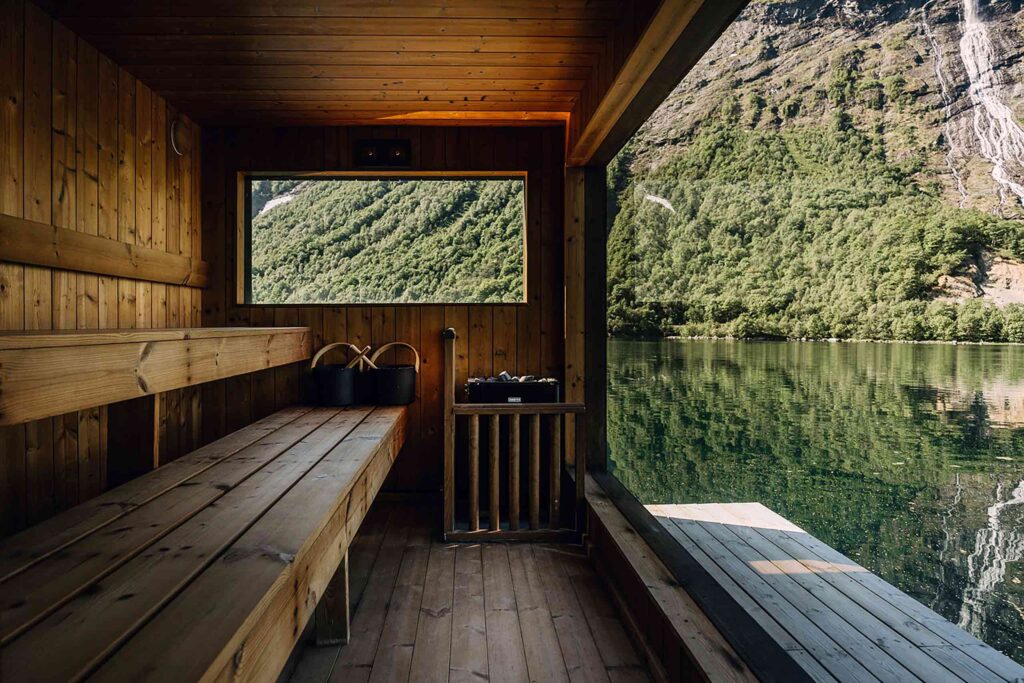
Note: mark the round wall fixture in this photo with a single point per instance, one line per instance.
(181, 138)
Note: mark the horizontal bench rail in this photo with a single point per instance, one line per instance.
(42, 375)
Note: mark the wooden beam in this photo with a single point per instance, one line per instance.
(39, 244)
(678, 35)
(52, 380)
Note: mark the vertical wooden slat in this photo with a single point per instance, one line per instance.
(126, 190)
(534, 471)
(495, 479)
(108, 176)
(513, 472)
(448, 418)
(12, 276)
(91, 464)
(38, 60)
(555, 477)
(143, 195)
(474, 472)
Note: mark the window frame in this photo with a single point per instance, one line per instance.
(243, 230)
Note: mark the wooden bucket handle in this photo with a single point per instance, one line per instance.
(416, 354)
(360, 358)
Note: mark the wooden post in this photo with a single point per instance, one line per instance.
(495, 493)
(474, 472)
(581, 476)
(449, 430)
(555, 480)
(513, 472)
(534, 471)
(332, 618)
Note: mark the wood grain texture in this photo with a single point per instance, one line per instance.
(490, 337)
(313, 485)
(36, 381)
(29, 242)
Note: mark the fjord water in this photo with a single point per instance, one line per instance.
(909, 458)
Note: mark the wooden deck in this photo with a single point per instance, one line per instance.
(432, 611)
(838, 620)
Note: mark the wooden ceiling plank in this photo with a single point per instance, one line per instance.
(406, 98)
(349, 26)
(393, 71)
(474, 9)
(215, 106)
(361, 43)
(131, 58)
(363, 84)
(367, 118)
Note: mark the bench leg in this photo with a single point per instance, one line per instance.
(332, 612)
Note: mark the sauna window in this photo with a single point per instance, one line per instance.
(377, 240)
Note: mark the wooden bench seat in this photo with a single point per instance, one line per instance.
(207, 568)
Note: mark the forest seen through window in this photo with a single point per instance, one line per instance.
(386, 240)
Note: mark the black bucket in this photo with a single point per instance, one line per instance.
(336, 384)
(342, 385)
(394, 385)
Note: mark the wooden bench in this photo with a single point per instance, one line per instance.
(207, 568)
(834, 618)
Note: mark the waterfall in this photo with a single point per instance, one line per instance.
(947, 104)
(1000, 137)
(994, 547)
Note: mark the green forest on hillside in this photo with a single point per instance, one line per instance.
(794, 233)
(380, 241)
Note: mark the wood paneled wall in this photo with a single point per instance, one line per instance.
(84, 146)
(523, 339)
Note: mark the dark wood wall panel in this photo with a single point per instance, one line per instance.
(83, 146)
(524, 339)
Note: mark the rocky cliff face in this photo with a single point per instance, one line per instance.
(941, 80)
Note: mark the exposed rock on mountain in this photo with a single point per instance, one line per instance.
(834, 168)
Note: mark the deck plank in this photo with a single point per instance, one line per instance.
(621, 660)
(393, 658)
(722, 564)
(579, 650)
(797, 578)
(872, 629)
(469, 621)
(544, 662)
(992, 659)
(356, 658)
(431, 655)
(506, 653)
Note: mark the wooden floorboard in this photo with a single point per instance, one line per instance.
(435, 611)
(848, 624)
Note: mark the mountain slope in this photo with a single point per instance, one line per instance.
(432, 241)
(826, 171)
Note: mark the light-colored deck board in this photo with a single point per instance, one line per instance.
(812, 590)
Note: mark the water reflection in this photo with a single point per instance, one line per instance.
(907, 458)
